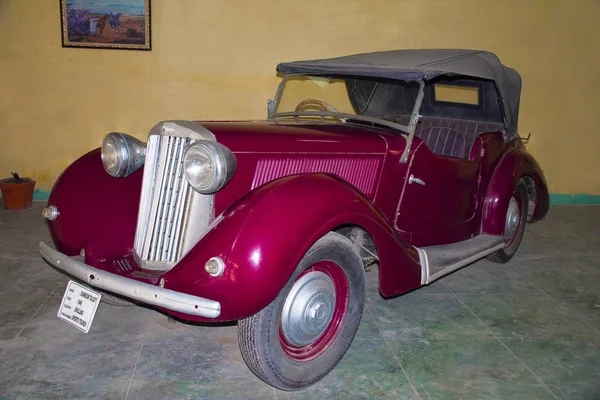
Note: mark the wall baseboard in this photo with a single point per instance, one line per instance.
(41, 195)
(581, 199)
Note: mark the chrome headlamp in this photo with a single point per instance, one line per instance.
(122, 154)
(208, 166)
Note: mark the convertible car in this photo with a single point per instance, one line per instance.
(407, 159)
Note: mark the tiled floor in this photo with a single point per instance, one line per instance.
(529, 329)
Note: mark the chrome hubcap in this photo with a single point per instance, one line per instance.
(512, 218)
(308, 309)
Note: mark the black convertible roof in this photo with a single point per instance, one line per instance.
(424, 65)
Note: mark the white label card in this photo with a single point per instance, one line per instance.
(79, 305)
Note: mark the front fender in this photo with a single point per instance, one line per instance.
(265, 234)
(514, 165)
(96, 211)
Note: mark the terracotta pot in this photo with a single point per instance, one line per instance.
(17, 196)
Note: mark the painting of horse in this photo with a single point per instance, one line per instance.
(111, 24)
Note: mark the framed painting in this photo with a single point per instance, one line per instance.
(106, 24)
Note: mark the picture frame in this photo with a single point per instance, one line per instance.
(106, 24)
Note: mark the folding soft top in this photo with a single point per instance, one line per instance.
(412, 65)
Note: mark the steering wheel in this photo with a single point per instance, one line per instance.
(314, 102)
(324, 105)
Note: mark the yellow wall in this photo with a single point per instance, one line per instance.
(214, 59)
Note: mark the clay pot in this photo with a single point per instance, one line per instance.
(17, 196)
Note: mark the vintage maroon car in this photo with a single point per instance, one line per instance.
(408, 159)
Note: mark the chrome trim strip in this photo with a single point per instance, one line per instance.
(180, 200)
(278, 95)
(424, 261)
(182, 129)
(462, 263)
(147, 197)
(161, 189)
(414, 121)
(143, 292)
(339, 115)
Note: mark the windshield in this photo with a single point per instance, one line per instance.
(320, 98)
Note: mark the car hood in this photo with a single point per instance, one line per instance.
(272, 137)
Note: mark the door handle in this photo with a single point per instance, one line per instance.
(414, 179)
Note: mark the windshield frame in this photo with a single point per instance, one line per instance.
(404, 129)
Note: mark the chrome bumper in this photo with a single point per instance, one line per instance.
(143, 292)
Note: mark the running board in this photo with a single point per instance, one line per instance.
(437, 261)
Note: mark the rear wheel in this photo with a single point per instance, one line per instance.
(514, 225)
(302, 335)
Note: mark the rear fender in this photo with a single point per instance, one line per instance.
(514, 165)
(265, 234)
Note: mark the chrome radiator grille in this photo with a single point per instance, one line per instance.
(164, 203)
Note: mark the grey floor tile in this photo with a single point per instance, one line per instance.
(63, 368)
(465, 358)
(52, 359)
(19, 237)
(586, 307)
(486, 277)
(559, 361)
(372, 278)
(550, 237)
(22, 278)
(182, 362)
(367, 329)
(465, 368)
(9, 332)
(434, 288)
(216, 389)
(430, 316)
(111, 325)
(543, 304)
(483, 389)
(17, 311)
(540, 270)
(525, 316)
(571, 281)
(368, 371)
(577, 391)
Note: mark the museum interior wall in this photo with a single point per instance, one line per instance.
(216, 60)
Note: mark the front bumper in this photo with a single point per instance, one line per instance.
(143, 292)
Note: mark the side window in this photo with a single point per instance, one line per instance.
(459, 95)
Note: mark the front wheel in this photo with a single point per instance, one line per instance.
(302, 335)
(514, 225)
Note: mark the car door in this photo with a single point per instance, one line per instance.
(439, 197)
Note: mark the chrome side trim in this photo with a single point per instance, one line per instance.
(143, 292)
(424, 261)
(455, 266)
